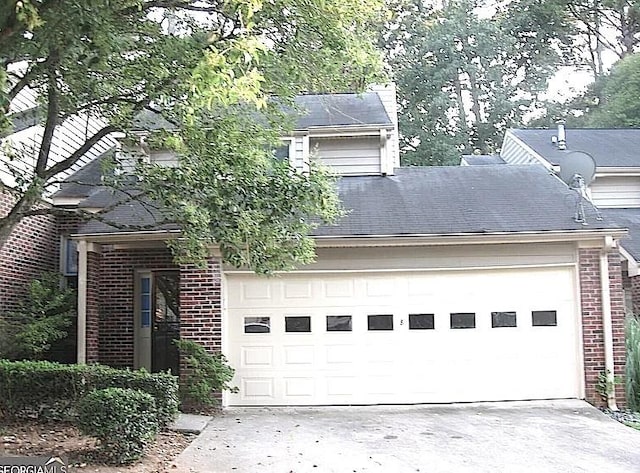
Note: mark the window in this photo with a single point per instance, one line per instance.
(544, 318)
(69, 256)
(338, 323)
(257, 324)
(284, 152)
(463, 320)
(145, 301)
(421, 322)
(380, 322)
(297, 324)
(503, 319)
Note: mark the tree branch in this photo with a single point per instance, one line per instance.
(52, 118)
(77, 154)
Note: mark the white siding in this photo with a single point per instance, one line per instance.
(616, 192)
(348, 156)
(67, 138)
(387, 94)
(514, 153)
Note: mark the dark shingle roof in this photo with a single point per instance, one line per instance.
(86, 181)
(482, 159)
(341, 110)
(312, 110)
(627, 218)
(452, 200)
(609, 147)
(436, 200)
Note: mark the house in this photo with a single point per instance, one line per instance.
(615, 189)
(442, 284)
(33, 248)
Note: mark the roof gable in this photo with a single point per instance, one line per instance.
(609, 147)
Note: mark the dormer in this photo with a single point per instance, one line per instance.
(352, 134)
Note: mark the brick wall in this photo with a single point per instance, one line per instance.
(201, 306)
(30, 250)
(634, 282)
(116, 309)
(592, 328)
(93, 300)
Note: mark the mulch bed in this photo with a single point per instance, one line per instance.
(31, 438)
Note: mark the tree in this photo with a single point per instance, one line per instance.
(209, 65)
(463, 79)
(605, 25)
(41, 320)
(619, 96)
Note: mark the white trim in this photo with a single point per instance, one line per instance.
(632, 264)
(617, 171)
(467, 238)
(82, 303)
(408, 270)
(607, 329)
(346, 129)
(577, 295)
(225, 344)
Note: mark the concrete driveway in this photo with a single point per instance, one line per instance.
(535, 437)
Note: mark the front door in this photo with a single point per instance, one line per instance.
(166, 321)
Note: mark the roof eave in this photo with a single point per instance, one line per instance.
(469, 238)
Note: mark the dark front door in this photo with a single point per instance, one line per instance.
(166, 321)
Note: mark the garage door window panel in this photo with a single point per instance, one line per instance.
(339, 323)
(503, 319)
(421, 322)
(257, 325)
(460, 320)
(297, 324)
(380, 322)
(544, 318)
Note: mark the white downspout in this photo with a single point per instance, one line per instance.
(606, 323)
(82, 303)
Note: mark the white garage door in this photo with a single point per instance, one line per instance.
(371, 338)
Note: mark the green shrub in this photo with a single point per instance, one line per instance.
(51, 391)
(162, 386)
(632, 373)
(40, 320)
(206, 374)
(39, 389)
(123, 420)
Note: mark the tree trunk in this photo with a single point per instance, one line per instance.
(462, 114)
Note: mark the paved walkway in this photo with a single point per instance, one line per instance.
(531, 437)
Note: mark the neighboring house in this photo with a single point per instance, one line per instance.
(441, 284)
(615, 189)
(33, 247)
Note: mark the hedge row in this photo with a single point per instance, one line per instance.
(52, 391)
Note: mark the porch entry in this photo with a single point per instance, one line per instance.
(157, 320)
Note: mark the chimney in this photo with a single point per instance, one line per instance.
(562, 136)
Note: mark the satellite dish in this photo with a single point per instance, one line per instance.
(577, 171)
(577, 166)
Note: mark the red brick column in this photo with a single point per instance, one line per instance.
(201, 309)
(618, 315)
(201, 305)
(93, 306)
(592, 327)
